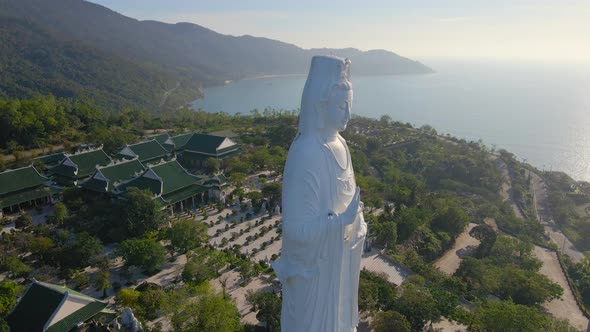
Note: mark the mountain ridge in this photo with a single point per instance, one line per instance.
(192, 54)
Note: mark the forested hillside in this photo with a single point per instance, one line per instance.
(34, 61)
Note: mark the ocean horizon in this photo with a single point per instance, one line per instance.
(538, 111)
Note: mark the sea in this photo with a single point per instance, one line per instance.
(539, 111)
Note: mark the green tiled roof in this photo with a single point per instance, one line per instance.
(183, 193)
(203, 143)
(79, 316)
(161, 138)
(144, 183)
(25, 196)
(34, 309)
(105, 177)
(85, 162)
(40, 302)
(20, 179)
(146, 151)
(174, 176)
(177, 182)
(180, 140)
(51, 159)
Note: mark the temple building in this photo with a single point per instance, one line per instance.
(78, 166)
(146, 151)
(53, 308)
(24, 188)
(107, 179)
(193, 149)
(172, 184)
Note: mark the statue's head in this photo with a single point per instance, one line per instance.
(327, 96)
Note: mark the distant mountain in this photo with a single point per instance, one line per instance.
(33, 61)
(185, 52)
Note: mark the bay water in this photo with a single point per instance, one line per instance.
(538, 111)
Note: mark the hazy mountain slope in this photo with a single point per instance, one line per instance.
(34, 61)
(204, 54)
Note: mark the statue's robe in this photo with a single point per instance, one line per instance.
(320, 260)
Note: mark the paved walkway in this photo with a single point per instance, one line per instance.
(566, 307)
(541, 204)
(377, 263)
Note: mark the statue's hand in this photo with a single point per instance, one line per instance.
(347, 217)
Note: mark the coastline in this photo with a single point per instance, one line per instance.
(226, 82)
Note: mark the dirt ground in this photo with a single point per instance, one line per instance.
(449, 262)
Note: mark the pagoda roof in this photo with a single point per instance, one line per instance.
(48, 307)
(51, 159)
(82, 164)
(169, 181)
(179, 140)
(208, 144)
(161, 138)
(174, 176)
(146, 151)
(16, 180)
(108, 177)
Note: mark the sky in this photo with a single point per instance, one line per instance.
(544, 30)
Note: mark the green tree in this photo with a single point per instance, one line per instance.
(507, 316)
(451, 220)
(268, 307)
(40, 246)
(141, 213)
(102, 281)
(390, 321)
(187, 234)
(211, 166)
(201, 309)
(145, 253)
(202, 265)
(272, 191)
(23, 221)
(80, 252)
(9, 291)
(16, 267)
(417, 305)
(128, 297)
(60, 212)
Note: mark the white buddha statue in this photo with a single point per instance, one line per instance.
(323, 226)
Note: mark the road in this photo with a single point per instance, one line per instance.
(540, 200)
(566, 307)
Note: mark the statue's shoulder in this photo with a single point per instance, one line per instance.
(308, 149)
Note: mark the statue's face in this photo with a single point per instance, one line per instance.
(338, 111)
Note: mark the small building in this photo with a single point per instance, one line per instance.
(217, 186)
(146, 151)
(76, 167)
(24, 188)
(106, 179)
(200, 147)
(172, 184)
(53, 308)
